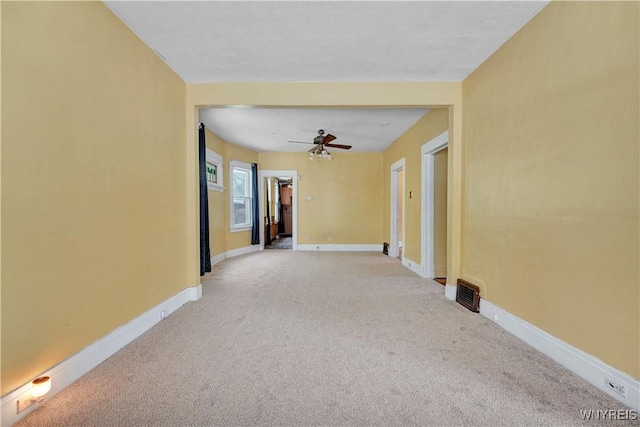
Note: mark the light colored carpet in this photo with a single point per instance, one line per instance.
(320, 338)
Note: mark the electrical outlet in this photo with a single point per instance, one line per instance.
(163, 314)
(615, 386)
(24, 402)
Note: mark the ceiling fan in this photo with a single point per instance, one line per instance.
(321, 141)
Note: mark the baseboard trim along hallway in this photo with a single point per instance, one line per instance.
(349, 339)
(82, 362)
(450, 291)
(586, 366)
(412, 265)
(233, 253)
(341, 248)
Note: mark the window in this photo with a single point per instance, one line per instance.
(241, 197)
(214, 171)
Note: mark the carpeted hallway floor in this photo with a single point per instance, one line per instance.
(320, 338)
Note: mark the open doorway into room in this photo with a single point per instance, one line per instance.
(396, 246)
(278, 209)
(278, 218)
(435, 175)
(400, 221)
(440, 215)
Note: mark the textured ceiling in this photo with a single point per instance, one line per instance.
(306, 41)
(270, 129)
(224, 41)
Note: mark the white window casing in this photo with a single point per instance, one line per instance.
(241, 197)
(215, 171)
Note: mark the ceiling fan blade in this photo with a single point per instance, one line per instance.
(301, 142)
(328, 138)
(344, 147)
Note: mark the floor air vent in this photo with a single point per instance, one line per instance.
(468, 295)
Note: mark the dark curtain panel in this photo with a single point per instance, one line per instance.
(205, 251)
(267, 223)
(280, 211)
(255, 211)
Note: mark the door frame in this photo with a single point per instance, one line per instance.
(393, 236)
(293, 174)
(428, 152)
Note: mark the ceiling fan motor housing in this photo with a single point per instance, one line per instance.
(320, 138)
(322, 141)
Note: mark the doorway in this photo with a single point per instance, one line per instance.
(435, 177)
(278, 209)
(396, 245)
(440, 160)
(278, 233)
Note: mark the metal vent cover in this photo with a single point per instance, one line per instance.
(468, 295)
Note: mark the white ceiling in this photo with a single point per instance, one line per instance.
(224, 41)
(270, 129)
(274, 41)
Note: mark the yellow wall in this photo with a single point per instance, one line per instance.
(551, 177)
(352, 94)
(408, 146)
(440, 160)
(218, 204)
(238, 239)
(346, 205)
(93, 181)
(551, 215)
(221, 239)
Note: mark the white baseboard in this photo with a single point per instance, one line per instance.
(218, 258)
(577, 361)
(341, 248)
(234, 252)
(82, 362)
(450, 291)
(195, 293)
(412, 265)
(243, 251)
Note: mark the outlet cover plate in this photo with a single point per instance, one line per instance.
(616, 386)
(24, 402)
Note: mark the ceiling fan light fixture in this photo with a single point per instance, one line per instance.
(320, 153)
(320, 142)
